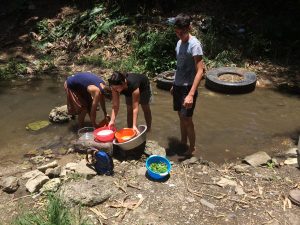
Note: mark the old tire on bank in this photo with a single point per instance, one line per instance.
(165, 80)
(245, 83)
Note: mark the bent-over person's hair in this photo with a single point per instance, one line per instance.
(117, 78)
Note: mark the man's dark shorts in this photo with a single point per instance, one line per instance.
(179, 94)
(145, 98)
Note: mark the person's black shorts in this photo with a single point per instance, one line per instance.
(145, 97)
(179, 94)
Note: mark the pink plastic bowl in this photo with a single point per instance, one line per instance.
(104, 134)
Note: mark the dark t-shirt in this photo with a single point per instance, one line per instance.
(80, 81)
(135, 81)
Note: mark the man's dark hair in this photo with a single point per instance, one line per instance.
(117, 78)
(182, 21)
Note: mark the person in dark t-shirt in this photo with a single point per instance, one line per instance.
(136, 88)
(84, 93)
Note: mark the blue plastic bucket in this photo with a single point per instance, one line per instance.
(157, 159)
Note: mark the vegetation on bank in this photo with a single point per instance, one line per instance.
(56, 212)
(151, 44)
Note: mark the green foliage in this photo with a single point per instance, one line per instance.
(11, 69)
(271, 165)
(224, 58)
(129, 64)
(55, 213)
(45, 63)
(94, 60)
(90, 24)
(154, 50)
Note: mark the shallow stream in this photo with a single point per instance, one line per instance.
(227, 126)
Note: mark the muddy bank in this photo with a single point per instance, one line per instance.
(196, 192)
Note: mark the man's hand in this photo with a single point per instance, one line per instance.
(171, 90)
(136, 129)
(188, 102)
(111, 124)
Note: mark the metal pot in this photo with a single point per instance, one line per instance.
(134, 142)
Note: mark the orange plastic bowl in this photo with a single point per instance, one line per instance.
(104, 134)
(125, 134)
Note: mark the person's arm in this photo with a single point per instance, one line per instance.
(95, 93)
(115, 107)
(188, 101)
(135, 108)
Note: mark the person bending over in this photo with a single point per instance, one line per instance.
(136, 88)
(84, 93)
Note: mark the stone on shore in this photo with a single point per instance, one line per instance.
(89, 192)
(257, 159)
(43, 168)
(51, 185)
(153, 148)
(53, 172)
(83, 170)
(9, 184)
(35, 183)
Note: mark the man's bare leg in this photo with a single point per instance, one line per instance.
(129, 115)
(148, 116)
(81, 117)
(190, 131)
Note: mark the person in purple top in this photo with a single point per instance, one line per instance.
(84, 93)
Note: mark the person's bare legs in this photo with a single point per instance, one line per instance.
(188, 131)
(129, 115)
(81, 117)
(148, 116)
(183, 130)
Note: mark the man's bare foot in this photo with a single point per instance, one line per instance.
(190, 152)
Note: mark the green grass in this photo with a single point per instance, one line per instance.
(12, 69)
(55, 213)
(94, 60)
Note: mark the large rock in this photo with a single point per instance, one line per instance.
(51, 185)
(53, 172)
(153, 148)
(85, 171)
(35, 183)
(43, 168)
(81, 146)
(89, 192)
(60, 114)
(9, 184)
(31, 174)
(258, 158)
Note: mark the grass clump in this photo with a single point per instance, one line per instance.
(55, 213)
(12, 69)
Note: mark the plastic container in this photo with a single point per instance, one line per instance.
(156, 159)
(125, 134)
(86, 133)
(104, 134)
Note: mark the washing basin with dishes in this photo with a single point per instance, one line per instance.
(135, 141)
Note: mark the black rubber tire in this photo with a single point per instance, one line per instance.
(162, 80)
(244, 86)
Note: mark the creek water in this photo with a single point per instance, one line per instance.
(227, 126)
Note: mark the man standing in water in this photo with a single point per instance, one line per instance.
(189, 71)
